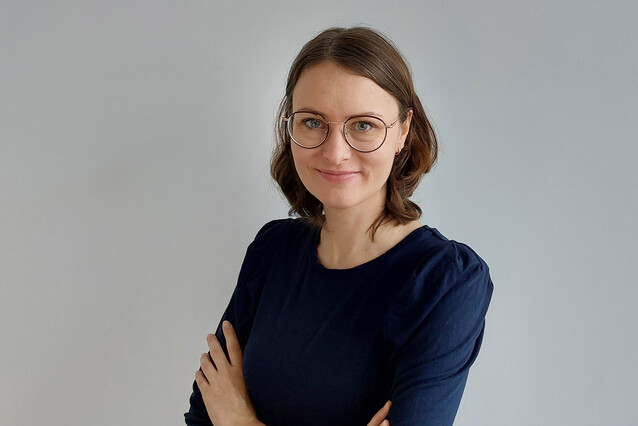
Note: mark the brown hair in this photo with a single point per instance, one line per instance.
(372, 55)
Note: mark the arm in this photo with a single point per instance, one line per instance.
(223, 389)
(222, 385)
(240, 311)
(440, 339)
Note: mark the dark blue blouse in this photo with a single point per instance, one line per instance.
(331, 346)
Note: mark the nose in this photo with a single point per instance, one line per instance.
(335, 148)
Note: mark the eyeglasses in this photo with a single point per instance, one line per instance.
(363, 133)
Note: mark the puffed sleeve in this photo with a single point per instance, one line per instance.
(436, 327)
(241, 308)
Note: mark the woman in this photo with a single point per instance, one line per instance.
(354, 313)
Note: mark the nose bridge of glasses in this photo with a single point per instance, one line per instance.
(343, 132)
(335, 146)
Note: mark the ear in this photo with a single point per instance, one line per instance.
(405, 128)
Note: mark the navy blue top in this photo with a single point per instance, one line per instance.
(331, 346)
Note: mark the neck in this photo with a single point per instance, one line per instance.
(346, 240)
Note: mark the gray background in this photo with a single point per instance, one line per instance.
(134, 145)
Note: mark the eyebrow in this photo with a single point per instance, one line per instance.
(368, 113)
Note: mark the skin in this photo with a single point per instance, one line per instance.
(351, 205)
(222, 383)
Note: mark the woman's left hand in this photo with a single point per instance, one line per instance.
(222, 383)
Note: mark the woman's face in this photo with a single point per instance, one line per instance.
(336, 174)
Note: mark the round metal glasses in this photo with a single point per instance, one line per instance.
(364, 133)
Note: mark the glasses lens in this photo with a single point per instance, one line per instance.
(307, 129)
(365, 133)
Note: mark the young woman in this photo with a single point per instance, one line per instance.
(354, 313)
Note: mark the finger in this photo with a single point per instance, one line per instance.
(201, 380)
(216, 352)
(208, 368)
(381, 414)
(232, 344)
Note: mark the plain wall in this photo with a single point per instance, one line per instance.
(134, 147)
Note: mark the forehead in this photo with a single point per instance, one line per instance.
(339, 92)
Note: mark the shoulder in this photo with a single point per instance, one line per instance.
(444, 301)
(268, 248)
(272, 246)
(444, 257)
(446, 269)
(281, 231)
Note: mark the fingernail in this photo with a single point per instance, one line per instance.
(226, 324)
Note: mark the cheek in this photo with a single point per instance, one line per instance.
(297, 159)
(381, 167)
(300, 160)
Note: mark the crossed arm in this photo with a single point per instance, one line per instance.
(221, 383)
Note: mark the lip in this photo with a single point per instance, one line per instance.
(336, 176)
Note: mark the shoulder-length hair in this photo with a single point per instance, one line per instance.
(372, 55)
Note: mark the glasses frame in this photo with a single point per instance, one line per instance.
(343, 129)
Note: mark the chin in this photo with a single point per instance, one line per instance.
(331, 198)
(334, 200)
(345, 197)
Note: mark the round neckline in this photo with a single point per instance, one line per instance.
(370, 263)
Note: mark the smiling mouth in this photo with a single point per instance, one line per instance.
(334, 176)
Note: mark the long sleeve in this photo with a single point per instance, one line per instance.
(240, 312)
(437, 328)
(330, 346)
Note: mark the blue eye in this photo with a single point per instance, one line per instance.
(312, 123)
(362, 126)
